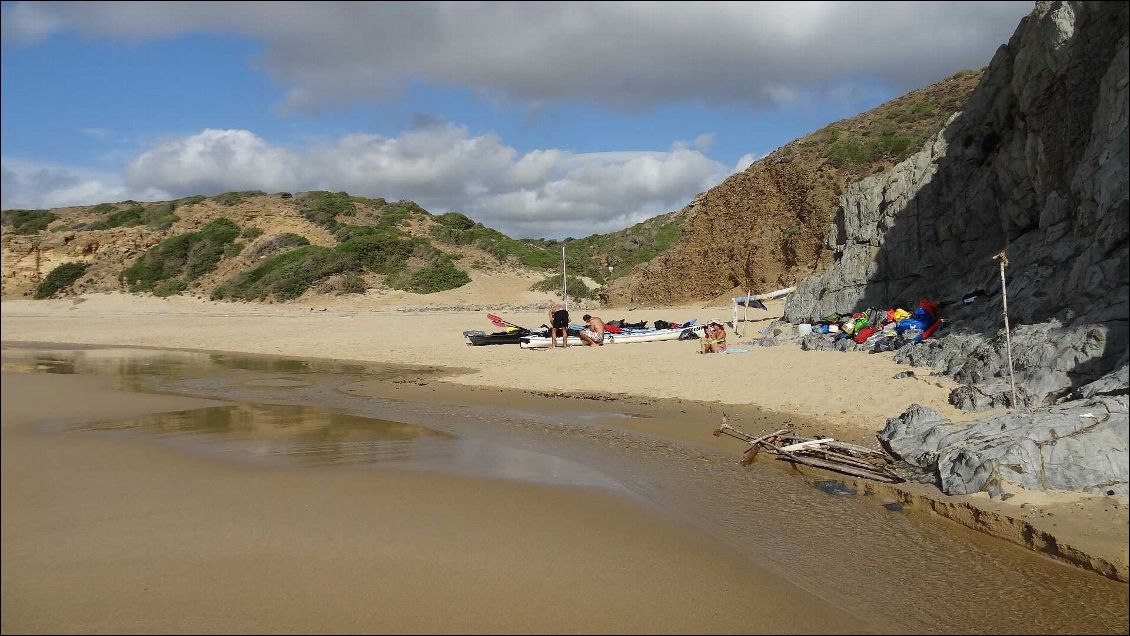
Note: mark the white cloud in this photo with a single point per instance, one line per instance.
(547, 192)
(215, 161)
(744, 161)
(704, 141)
(33, 185)
(629, 55)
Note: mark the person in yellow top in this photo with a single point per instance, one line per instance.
(715, 338)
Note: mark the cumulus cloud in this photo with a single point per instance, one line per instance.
(215, 161)
(629, 55)
(545, 192)
(32, 185)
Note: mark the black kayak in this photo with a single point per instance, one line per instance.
(479, 338)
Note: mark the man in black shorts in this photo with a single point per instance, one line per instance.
(558, 321)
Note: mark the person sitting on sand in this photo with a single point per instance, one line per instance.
(714, 340)
(558, 321)
(593, 334)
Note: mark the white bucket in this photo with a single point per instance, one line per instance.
(804, 329)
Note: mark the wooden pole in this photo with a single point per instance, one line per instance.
(564, 281)
(748, 294)
(1003, 258)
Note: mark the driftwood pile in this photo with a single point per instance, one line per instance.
(825, 453)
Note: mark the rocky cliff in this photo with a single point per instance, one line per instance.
(1035, 165)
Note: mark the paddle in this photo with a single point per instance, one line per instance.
(499, 322)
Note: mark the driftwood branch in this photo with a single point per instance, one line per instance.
(825, 453)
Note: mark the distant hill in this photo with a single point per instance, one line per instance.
(259, 246)
(759, 229)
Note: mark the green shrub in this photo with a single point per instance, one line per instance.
(189, 255)
(103, 208)
(287, 275)
(577, 287)
(158, 216)
(322, 208)
(27, 221)
(192, 200)
(379, 250)
(848, 152)
(437, 277)
(233, 198)
(277, 243)
(61, 277)
(170, 287)
(251, 233)
(232, 250)
(352, 283)
(891, 145)
(455, 220)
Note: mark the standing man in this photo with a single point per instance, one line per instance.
(593, 334)
(558, 321)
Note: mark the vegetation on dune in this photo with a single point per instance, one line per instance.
(276, 244)
(251, 233)
(441, 274)
(409, 263)
(287, 275)
(893, 131)
(61, 277)
(185, 256)
(578, 290)
(27, 221)
(234, 198)
(323, 208)
(158, 216)
(589, 256)
(171, 287)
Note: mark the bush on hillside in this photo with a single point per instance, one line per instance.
(233, 198)
(439, 276)
(170, 287)
(577, 288)
(27, 221)
(187, 256)
(158, 216)
(455, 221)
(287, 275)
(61, 277)
(276, 244)
(381, 251)
(322, 208)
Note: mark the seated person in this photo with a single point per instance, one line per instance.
(715, 338)
(593, 334)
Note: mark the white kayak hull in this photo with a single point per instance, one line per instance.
(658, 335)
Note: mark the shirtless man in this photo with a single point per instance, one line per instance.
(593, 334)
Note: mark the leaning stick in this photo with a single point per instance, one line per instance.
(1003, 258)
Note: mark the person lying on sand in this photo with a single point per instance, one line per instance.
(593, 334)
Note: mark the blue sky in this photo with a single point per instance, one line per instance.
(539, 119)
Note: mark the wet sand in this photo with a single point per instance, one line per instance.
(115, 535)
(696, 544)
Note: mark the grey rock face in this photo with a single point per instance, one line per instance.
(1037, 164)
(1081, 445)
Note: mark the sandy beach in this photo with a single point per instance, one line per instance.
(447, 550)
(851, 394)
